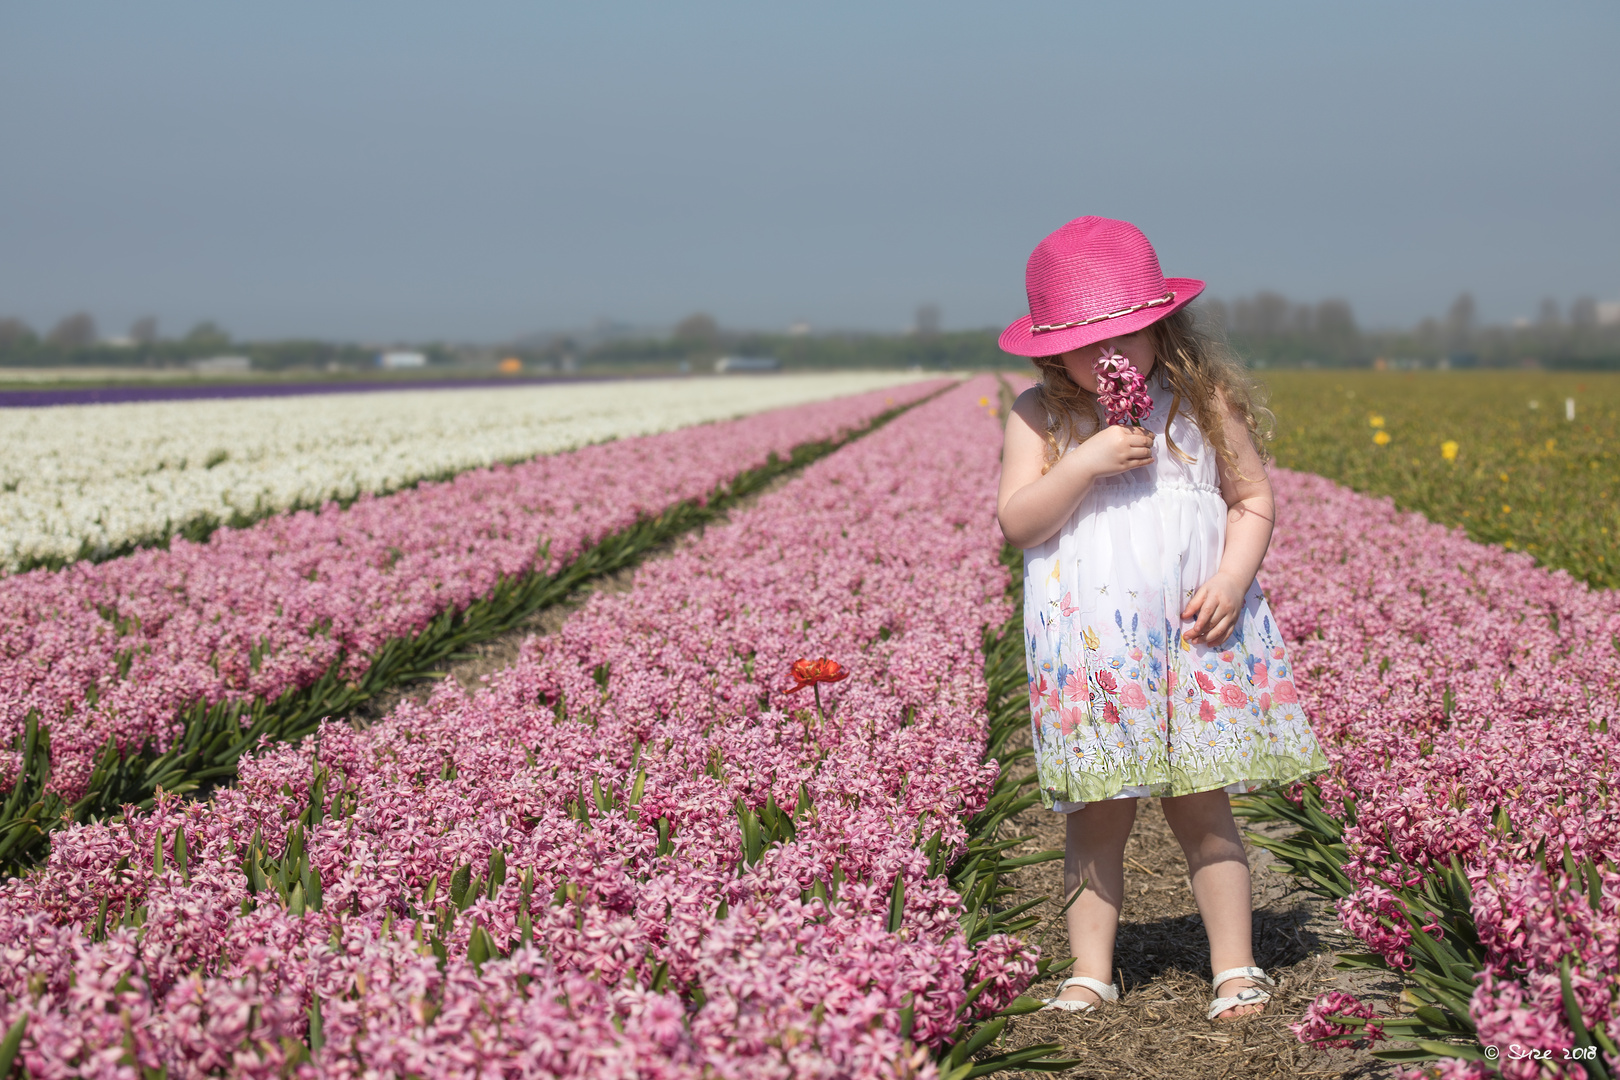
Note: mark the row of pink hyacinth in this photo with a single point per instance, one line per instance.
(882, 555)
(255, 612)
(1453, 680)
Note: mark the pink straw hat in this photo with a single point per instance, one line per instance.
(1093, 279)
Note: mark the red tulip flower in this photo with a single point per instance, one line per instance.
(813, 673)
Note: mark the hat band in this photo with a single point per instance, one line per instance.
(1133, 309)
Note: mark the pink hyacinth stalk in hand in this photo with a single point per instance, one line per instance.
(1122, 389)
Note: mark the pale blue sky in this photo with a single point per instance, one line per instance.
(473, 171)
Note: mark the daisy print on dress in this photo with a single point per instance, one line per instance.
(1119, 699)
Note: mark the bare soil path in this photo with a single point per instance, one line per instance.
(1158, 1027)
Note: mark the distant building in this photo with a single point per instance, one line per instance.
(927, 321)
(396, 361)
(222, 365)
(798, 329)
(1608, 312)
(746, 363)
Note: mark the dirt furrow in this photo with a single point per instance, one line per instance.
(1158, 1027)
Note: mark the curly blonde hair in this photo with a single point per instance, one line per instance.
(1198, 367)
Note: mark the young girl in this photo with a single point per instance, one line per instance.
(1155, 666)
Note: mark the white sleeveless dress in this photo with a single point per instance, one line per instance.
(1122, 706)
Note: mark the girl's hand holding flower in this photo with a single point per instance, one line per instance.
(1114, 450)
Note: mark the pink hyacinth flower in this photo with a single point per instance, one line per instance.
(1122, 389)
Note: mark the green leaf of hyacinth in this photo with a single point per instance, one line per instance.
(317, 1031)
(475, 889)
(1361, 961)
(478, 949)
(986, 1033)
(1028, 1059)
(182, 858)
(753, 839)
(1414, 1053)
(1577, 1023)
(12, 1043)
(525, 928)
(458, 884)
(973, 995)
(497, 871)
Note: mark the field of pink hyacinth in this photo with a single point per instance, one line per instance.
(1470, 703)
(639, 852)
(633, 853)
(117, 650)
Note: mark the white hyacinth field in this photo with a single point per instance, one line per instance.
(84, 480)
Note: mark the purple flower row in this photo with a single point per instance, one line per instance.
(563, 874)
(120, 649)
(1471, 707)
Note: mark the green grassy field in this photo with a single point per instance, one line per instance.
(1488, 451)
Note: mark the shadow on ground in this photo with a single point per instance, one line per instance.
(1158, 1027)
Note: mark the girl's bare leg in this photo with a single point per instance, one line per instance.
(1094, 852)
(1220, 883)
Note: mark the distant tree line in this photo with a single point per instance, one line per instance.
(74, 342)
(699, 340)
(1266, 329)
(1270, 328)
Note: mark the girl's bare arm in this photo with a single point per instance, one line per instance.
(1032, 507)
(1250, 516)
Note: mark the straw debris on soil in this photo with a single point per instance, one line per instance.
(1158, 1027)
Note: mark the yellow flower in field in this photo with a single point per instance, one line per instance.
(1382, 438)
(1375, 420)
(1448, 449)
(984, 401)
(1552, 444)
(1506, 509)
(1502, 476)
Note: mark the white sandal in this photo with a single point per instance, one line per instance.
(1101, 989)
(1249, 995)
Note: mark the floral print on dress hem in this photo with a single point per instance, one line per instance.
(1135, 707)
(1119, 698)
